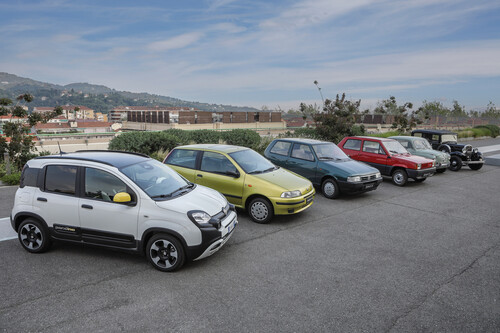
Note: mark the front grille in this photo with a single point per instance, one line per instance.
(368, 177)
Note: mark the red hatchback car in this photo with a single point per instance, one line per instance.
(390, 157)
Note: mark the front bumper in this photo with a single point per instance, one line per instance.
(421, 174)
(351, 188)
(227, 228)
(284, 206)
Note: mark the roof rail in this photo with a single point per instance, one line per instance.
(111, 151)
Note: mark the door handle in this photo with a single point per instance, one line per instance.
(87, 206)
(198, 175)
(41, 199)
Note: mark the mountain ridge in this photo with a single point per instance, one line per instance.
(97, 97)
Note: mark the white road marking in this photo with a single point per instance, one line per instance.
(6, 231)
(488, 149)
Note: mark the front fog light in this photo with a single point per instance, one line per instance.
(354, 179)
(290, 194)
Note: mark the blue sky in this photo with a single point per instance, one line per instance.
(258, 53)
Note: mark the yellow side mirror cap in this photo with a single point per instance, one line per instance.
(122, 197)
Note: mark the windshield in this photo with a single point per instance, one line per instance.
(421, 144)
(329, 151)
(449, 138)
(394, 147)
(157, 179)
(252, 162)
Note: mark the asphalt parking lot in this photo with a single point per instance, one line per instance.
(425, 257)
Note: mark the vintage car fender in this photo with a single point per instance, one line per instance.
(444, 147)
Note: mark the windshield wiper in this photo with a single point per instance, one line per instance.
(393, 151)
(327, 158)
(172, 193)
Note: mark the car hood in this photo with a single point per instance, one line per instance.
(200, 198)
(430, 153)
(285, 179)
(347, 166)
(413, 158)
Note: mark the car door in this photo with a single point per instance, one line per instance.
(302, 161)
(352, 148)
(56, 200)
(278, 154)
(373, 154)
(218, 172)
(103, 221)
(184, 162)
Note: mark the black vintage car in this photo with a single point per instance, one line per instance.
(460, 154)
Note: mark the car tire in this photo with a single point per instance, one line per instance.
(33, 236)
(455, 163)
(399, 177)
(330, 188)
(475, 166)
(165, 253)
(260, 210)
(441, 170)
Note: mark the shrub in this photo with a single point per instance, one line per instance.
(494, 129)
(12, 179)
(205, 136)
(264, 142)
(144, 142)
(242, 137)
(183, 137)
(2, 170)
(160, 154)
(386, 134)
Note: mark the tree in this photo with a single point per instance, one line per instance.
(21, 146)
(491, 111)
(433, 109)
(338, 119)
(458, 110)
(403, 121)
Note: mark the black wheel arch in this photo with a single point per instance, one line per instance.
(21, 216)
(148, 233)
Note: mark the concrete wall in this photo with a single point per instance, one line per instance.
(213, 126)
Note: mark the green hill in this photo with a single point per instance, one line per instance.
(97, 97)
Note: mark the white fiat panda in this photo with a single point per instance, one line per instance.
(120, 200)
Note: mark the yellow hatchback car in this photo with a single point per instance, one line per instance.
(246, 178)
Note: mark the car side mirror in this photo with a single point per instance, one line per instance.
(234, 174)
(123, 198)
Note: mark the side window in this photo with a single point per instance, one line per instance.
(183, 157)
(216, 163)
(435, 137)
(417, 134)
(405, 144)
(302, 151)
(373, 147)
(281, 148)
(352, 144)
(29, 177)
(60, 179)
(102, 185)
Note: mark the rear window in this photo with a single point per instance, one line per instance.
(60, 179)
(29, 177)
(281, 148)
(352, 144)
(183, 158)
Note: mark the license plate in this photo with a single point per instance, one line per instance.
(368, 186)
(231, 226)
(428, 174)
(308, 201)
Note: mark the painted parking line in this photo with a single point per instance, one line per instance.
(6, 231)
(489, 149)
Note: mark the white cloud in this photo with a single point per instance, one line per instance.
(177, 42)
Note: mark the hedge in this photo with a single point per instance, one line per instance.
(159, 143)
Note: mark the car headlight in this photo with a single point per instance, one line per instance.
(290, 194)
(354, 179)
(378, 175)
(419, 166)
(199, 217)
